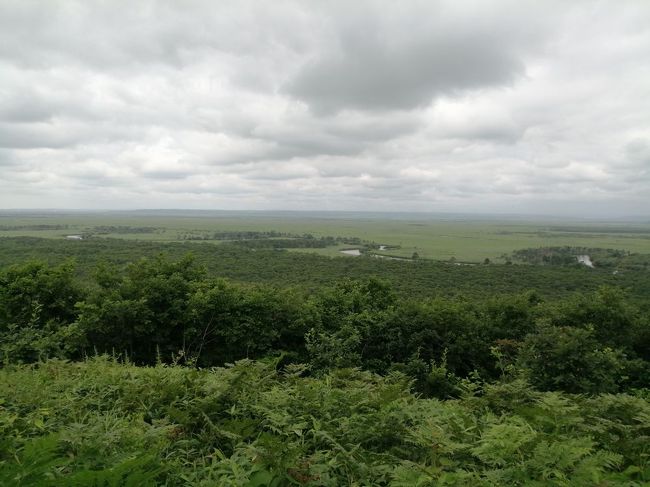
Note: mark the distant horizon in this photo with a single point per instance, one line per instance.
(632, 218)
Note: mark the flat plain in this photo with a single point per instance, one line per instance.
(432, 236)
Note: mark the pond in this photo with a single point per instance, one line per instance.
(354, 252)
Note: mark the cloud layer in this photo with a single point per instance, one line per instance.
(504, 106)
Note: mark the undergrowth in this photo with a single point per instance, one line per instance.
(101, 423)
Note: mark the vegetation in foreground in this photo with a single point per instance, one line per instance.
(259, 424)
(350, 384)
(170, 311)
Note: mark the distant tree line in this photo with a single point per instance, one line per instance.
(123, 229)
(567, 255)
(277, 240)
(287, 243)
(13, 228)
(235, 235)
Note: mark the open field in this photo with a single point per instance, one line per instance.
(432, 237)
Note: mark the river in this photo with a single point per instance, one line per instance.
(353, 252)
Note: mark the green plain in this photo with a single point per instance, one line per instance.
(432, 237)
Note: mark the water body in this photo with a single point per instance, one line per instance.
(586, 260)
(388, 257)
(353, 252)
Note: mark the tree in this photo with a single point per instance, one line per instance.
(37, 311)
(39, 294)
(614, 321)
(228, 323)
(142, 311)
(570, 359)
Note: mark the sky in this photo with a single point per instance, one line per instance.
(531, 107)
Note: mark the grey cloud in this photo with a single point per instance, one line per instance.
(62, 134)
(7, 158)
(494, 132)
(303, 144)
(373, 129)
(102, 181)
(124, 36)
(91, 33)
(214, 187)
(347, 135)
(167, 174)
(266, 173)
(19, 136)
(23, 109)
(443, 52)
(637, 153)
(347, 168)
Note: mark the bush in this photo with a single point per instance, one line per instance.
(570, 359)
(102, 423)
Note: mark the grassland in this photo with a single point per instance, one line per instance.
(432, 237)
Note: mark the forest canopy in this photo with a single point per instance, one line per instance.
(158, 372)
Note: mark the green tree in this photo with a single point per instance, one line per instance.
(142, 311)
(572, 360)
(346, 316)
(614, 321)
(37, 311)
(37, 293)
(229, 322)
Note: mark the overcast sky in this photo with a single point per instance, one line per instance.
(445, 106)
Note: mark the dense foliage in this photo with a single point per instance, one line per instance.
(163, 310)
(605, 258)
(310, 272)
(257, 424)
(117, 373)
